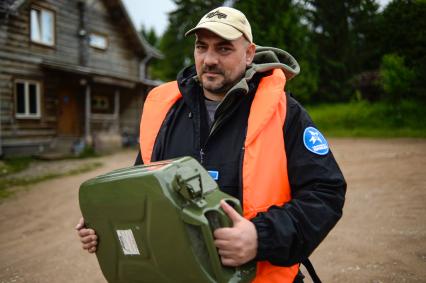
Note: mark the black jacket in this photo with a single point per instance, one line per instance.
(288, 234)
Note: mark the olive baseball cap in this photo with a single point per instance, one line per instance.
(226, 22)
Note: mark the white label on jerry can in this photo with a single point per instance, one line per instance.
(128, 242)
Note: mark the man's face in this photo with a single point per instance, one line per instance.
(220, 63)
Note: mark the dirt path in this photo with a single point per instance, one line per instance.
(381, 237)
(38, 242)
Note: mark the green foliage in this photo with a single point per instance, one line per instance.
(396, 78)
(278, 24)
(363, 119)
(403, 32)
(364, 53)
(337, 43)
(305, 85)
(14, 165)
(174, 45)
(88, 152)
(340, 33)
(150, 35)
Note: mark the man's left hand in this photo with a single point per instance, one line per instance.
(237, 244)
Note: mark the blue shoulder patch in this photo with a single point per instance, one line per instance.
(314, 141)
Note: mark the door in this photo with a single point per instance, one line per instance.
(69, 114)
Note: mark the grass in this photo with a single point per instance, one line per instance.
(363, 119)
(13, 182)
(88, 152)
(10, 166)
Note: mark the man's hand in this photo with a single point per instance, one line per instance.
(88, 237)
(238, 244)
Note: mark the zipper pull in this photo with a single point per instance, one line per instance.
(201, 156)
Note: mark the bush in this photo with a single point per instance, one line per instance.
(395, 77)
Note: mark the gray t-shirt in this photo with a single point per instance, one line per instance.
(211, 107)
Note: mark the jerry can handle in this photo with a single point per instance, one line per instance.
(223, 221)
(209, 220)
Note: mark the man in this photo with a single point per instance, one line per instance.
(231, 113)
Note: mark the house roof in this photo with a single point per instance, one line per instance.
(118, 11)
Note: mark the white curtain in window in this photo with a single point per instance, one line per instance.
(47, 26)
(35, 26)
(98, 41)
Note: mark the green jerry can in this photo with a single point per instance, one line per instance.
(155, 224)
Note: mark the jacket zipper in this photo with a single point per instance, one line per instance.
(201, 156)
(240, 170)
(202, 147)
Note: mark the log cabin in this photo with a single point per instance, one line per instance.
(73, 73)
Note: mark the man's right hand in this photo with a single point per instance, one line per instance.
(87, 236)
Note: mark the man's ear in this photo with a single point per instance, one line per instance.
(251, 49)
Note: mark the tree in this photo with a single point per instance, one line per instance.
(364, 53)
(403, 28)
(280, 24)
(150, 35)
(176, 48)
(340, 32)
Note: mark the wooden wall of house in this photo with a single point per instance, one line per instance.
(17, 42)
(37, 133)
(119, 58)
(21, 59)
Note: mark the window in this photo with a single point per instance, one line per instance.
(42, 26)
(27, 99)
(100, 103)
(98, 41)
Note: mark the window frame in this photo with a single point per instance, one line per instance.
(27, 114)
(100, 34)
(41, 42)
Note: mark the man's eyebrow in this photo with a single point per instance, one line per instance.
(220, 43)
(199, 41)
(224, 42)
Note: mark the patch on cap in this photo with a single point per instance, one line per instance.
(218, 14)
(315, 142)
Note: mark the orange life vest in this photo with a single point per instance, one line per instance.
(265, 179)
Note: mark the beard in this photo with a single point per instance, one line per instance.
(217, 85)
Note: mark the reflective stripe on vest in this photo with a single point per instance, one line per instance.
(265, 179)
